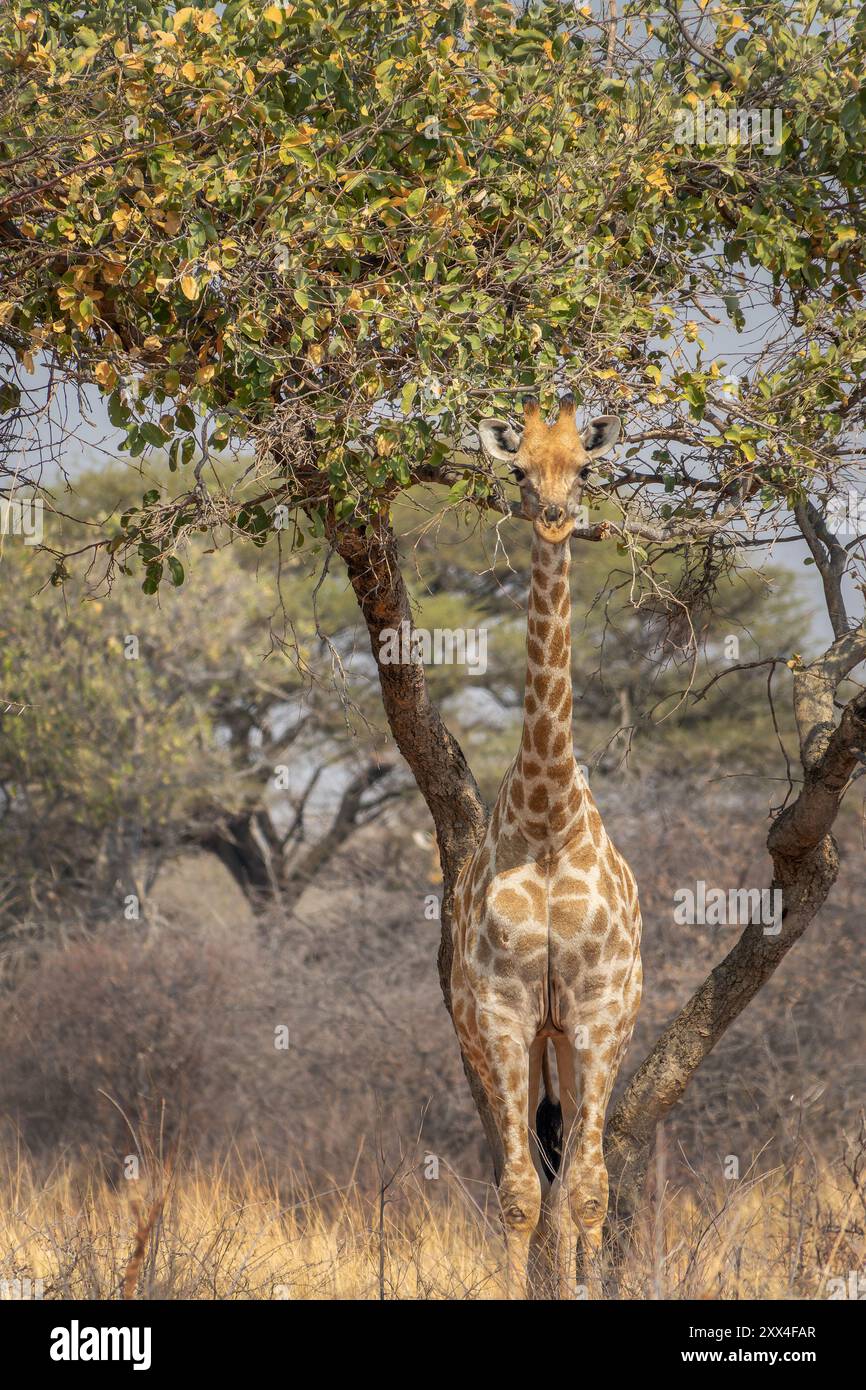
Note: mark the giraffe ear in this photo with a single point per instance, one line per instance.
(600, 435)
(500, 439)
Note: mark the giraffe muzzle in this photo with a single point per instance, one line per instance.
(554, 524)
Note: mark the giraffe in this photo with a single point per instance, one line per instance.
(546, 923)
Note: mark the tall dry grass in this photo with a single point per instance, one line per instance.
(228, 1232)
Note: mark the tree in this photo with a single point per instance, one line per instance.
(344, 233)
(138, 732)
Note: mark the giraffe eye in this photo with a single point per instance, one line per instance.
(518, 474)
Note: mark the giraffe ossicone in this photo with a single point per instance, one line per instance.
(546, 922)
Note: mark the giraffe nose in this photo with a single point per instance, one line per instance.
(554, 516)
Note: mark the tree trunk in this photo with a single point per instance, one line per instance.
(434, 756)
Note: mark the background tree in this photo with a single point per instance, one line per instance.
(346, 234)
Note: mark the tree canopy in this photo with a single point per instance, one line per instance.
(347, 231)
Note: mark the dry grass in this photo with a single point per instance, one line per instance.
(207, 1233)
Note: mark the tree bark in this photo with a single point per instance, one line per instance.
(434, 756)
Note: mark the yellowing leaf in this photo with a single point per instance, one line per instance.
(205, 21)
(189, 285)
(105, 374)
(481, 111)
(189, 71)
(657, 178)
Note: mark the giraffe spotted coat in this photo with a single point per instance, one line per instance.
(546, 923)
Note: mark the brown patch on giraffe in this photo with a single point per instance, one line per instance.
(568, 962)
(600, 921)
(538, 798)
(583, 857)
(570, 887)
(565, 922)
(535, 652)
(507, 902)
(591, 952)
(558, 745)
(541, 684)
(541, 734)
(607, 884)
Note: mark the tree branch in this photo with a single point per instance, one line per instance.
(805, 862)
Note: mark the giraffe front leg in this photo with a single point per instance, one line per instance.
(505, 1076)
(520, 1202)
(587, 1201)
(582, 1186)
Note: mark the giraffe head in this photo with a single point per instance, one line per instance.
(550, 463)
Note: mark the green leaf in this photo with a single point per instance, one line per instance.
(152, 577)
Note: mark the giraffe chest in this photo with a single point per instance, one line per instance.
(519, 918)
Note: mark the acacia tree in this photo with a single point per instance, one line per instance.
(343, 233)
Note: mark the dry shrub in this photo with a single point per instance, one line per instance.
(117, 1043)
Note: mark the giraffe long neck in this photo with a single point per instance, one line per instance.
(546, 790)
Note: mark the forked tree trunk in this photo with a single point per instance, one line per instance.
(434, 756)
(804, 853)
